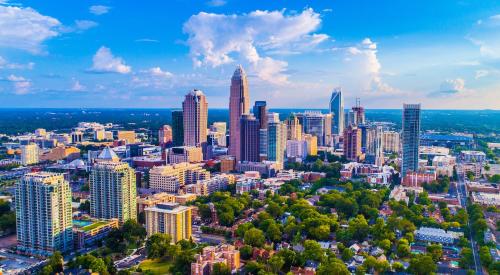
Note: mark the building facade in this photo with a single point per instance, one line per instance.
(177, 128)
(250, 132)
(239, 104)
(171, 178)
(165, 136)
(29, 154)
(391, 142)
(276, 141)
(43, 214)
(410, 137)
(169, 218)
(337, 111)
(260, 113)
(352, 143)
(195, 112)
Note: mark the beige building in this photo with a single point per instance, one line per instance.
(184, 154)
(128, 136)
(61, 152)
(29, 154)
(171, 178)
(143, 203)
(195, 118)
(226, 254)
(391, 141)
(169, 218)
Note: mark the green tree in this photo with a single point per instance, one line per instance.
(436, 251)
(221, 269)
(276, 263)
(359, 228)
(242, 228)
(99, 266)
(273, 232)
(246, 252)
(333, 267)
(158, 246)
(422, 264)
(313, 251)
(485, 256)
(182, 263)
(403, 248)
(347, 254)
(397, 266)
(56, 261)
(466, 258)
(254, 237)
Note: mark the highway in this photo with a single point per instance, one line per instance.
(462, 196)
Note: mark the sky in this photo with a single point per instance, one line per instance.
(120, 54)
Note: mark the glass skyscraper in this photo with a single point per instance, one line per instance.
(337, 111)
(410, 137)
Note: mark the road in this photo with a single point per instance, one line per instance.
(462, 196)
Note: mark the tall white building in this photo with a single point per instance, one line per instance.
(296, 149)
(337, 111)
(112, 188)
(43, 214)
(29, 154)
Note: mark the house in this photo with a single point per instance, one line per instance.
(355, 248)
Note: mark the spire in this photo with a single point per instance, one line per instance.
(239, 72)
(108, 155)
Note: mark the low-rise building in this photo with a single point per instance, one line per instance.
(436, 235)
(171, 178)
(486, 199)
(184, 154)
(472, 156)
(87, 232)
(225, 254)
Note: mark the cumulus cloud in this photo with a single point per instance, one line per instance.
(484, 35)
(105, 62)
(216, 3)
(21, 85)
(481, 74)
(77, 86)
(451, 87)
(364, 69)
(99, 9)
(218, 39)
(85, 24)
(158, 72)
(26, 28)
(4, 64)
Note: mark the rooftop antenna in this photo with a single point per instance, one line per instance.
(358, 102)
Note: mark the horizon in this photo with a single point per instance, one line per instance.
(127, 55)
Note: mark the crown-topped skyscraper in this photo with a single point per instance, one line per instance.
(239, 104)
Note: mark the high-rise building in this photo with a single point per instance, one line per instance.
(195, 110)
(296, 149)
(177, 128)
(219, 127)
(312, 144)
(337, 111)
(171, 178)
(313, 122)
(112, 188)
(327, 137)
(184, 154)
(294, 131)
(352, 143)
(359, 113)
(40, 132)
(217, 134)
(391, 141)
(410, 137)
(250, 132)
(29, 154)
(165, 136)
(263, 144)
(169, 218)
(239, 104)
(276, 141)
(43, 214)
(375, 146)
(260, 113)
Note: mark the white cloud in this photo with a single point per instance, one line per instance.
(218, 39)
(77, 86)
(481, 74)
(25, 28)
(216, 3)
(485, 36)
(105, 62)
(4, 64)
(147, 40)
(158, 72)
(21, 85)
(452, 88)
(85, 24)
(99, 9)
(362, 69)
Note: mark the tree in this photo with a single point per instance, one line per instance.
(274, 209)
(359, 228)
(253, 267)
(347, 254)
(403, 248)
(56, 262)
(466, 258)
(182, 263)
(226, 218)
(333, 267)
(436, 251)
(221, 269)
(290, 258)
(276, 263)
(313, 251)
(385, 245)
(254, 237)
(159, 245)
(397, 266)
(47, 270)
(246, 252)
(99, 266)
(485, 256)
(273, 232)
(242, 228)
(422, 264)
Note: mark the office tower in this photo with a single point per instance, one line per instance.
(337, 111)
(294, 131)
(169, 218)
(327, 137)
(364, 136)
(249, 135)
(239, 104)
(170, 178)
(195, 110)
(352, 143)
(312, 144)
(350, 118)
(43, 214)
(184, 154)
(76, 137)
(410, 137)
(375, 145)
(29, 154)
(219, 127)
(165, 136)
(263, 144)
(313, 122)
(260, 113)
(177, 128)
(128, 136)
(296, 149)
(273, 117)
(112, 188)
(391, 141)
(217, 134)
(276, 141)
(359, 113)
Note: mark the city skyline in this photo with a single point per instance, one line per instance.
(86, 60)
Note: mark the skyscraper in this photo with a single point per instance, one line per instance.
(250, 130)
(177, 128)
(375, 145)
(359, 113)
(29, 154)
(337, 111)
(112, 188)
(276, 141)
(294, 131)
(43, 214)
(352, 143)
(165, 136)
(239, 104)
(169, 218)
(195, 111)
(410, 137)
(260, 113)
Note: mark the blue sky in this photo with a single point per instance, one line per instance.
(443, 54)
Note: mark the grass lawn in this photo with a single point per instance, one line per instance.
(155, 266)
(94, 225)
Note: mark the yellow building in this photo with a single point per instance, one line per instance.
(169, 218)
(312, 144)
(128, 136)
(61, 152)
